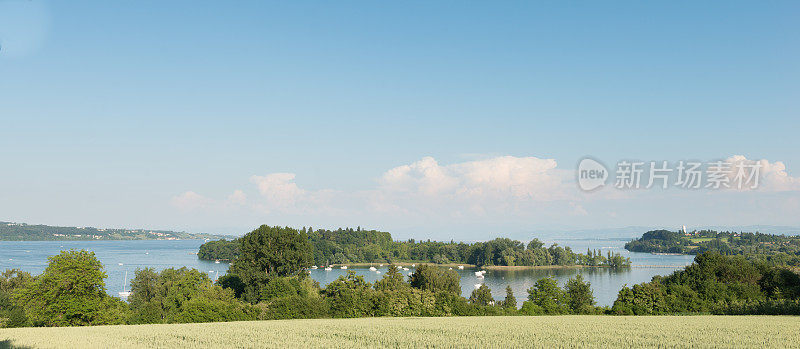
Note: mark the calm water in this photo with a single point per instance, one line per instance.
(121, 256)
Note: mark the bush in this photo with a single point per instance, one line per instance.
(294, 307)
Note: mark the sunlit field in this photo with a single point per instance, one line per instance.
(495, 332)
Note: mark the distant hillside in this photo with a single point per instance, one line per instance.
(10, 231)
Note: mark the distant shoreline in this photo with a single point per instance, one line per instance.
(472, 266)
(93, 240)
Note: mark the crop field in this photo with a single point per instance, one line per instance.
(479, 332)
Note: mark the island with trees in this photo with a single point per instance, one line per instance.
(774, 249)
(353, 246)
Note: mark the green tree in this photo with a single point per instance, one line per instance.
(510, 302)
(70, 292)
(269, 252)
(481, 296)
(548, 297)
(392, 280)
(579, 294)
(182, 295)
(349, 296)
(12, 280)
(435, 279)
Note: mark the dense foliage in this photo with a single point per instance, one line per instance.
(181, 295)
(267, 253)
(717, 284)
(219, 250)
(774, 249)
(343, 246)
(70, 292)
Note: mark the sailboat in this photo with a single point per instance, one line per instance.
(125, 294)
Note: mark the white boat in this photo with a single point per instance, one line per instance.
(478, 286)
(372, 269)
(343, 267)
(313, 267)
(460, 267)
(216, 261)
(125, 294)
(119, 263)
(409, 274)
(477, 273)
(413, 265)
(451, 268)
(380, 265)
(378, 272)
(405, 269)
(328, 268)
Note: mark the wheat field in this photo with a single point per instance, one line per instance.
(478, 332)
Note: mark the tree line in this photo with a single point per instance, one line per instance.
(344, 246)
(269, 280)
(772, 249)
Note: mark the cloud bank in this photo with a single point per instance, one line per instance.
(501, 191)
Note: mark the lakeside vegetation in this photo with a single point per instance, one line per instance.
(350, 246)
(10, 231)
(773, 249)
(481, 332)
(269, 280)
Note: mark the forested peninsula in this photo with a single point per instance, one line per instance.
(773, 249)
(350, 246)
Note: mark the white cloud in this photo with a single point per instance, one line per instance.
(773, 175)
(495, 192)
(190, 201)
(506, 177)
(278, 189)
(237, 198)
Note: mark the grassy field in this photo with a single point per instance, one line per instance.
(482, 332)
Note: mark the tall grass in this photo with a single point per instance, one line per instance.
(483, 332)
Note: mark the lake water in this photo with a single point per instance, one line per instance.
(120, 257)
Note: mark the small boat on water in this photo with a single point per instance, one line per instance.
(460, 267)
(216, 261)
(405, 269)
(372, 269)
(313, 267)
(343, 267)
(125, 294)
(328, 268)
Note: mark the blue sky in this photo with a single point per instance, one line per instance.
(113, 111)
